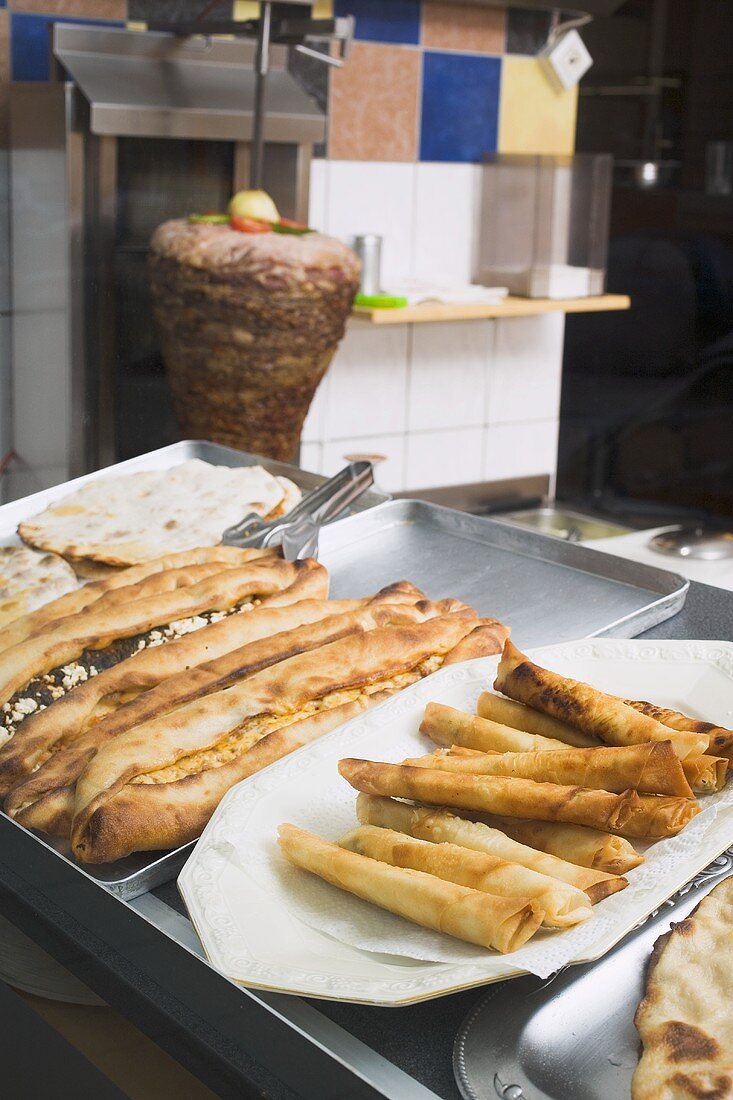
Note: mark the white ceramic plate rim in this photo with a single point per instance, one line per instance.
(207, 904)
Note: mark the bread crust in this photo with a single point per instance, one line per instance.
(167, 677)
(74, 602)
(102, 624)
(109, 811)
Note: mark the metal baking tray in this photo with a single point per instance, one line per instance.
(572, 1038)
(129, 878)
(547, 590)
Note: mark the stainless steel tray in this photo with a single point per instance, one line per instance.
(131, 877)
(572, 1038)
(546, 589)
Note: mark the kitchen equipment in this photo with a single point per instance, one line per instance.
(245, 903)
(572, 1038)
(321, 505)
(543, 229)
(368, 247)
(132, 129)
(563, 523)
(694, 542)
(719, 168)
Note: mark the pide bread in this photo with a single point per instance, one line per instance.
(154, 785)
(53, 747)
(99, 630)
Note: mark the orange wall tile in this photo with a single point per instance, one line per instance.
(374, 104)
(463, 27)
(85, 9)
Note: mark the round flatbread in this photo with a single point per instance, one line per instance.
(132, 519)
(29, 579)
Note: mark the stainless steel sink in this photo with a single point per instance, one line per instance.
(560, 523)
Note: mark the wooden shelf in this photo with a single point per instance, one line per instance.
(510, 307)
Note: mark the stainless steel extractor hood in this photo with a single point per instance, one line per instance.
(159, 85)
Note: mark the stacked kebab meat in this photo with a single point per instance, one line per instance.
(250, 311)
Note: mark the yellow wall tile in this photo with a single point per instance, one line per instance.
(250, 9)
(534, 116)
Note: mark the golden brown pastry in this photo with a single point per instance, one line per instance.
(563, 905)
(136, 612)
(76, 601)
(585, 708)
(52, 748)
(156, 785)
(685, 1019)
(576, 843)
(441, 826)
(721, 739)
(499, 922)
(629, 814)
(654, 768)
(510, 713)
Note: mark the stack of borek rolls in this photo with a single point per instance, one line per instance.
(136, 753)
(535, 798)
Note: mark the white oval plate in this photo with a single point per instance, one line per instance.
(243, 898)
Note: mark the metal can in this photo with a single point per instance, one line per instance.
(368, 247)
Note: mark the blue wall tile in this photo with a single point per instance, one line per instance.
(460, 106)
(29, 43)
(384, 20)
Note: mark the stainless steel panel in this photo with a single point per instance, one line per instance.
(546, 589)
(159, 85)
(572, 1038)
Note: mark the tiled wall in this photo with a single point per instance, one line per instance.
(428, 89)
(442, 404)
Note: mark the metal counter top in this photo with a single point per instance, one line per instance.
(238, 1043)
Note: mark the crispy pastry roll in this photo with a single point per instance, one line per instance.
(587, 709)
(654, 768)
(155, 785)
(51, 742)
(508, 712)
(100, 625)
(471, 915)
(576, 843)
(628, 814)
(441, 826)
(54, 747)
(721, 739)
(563, 905)
(706, 774)
(448, 726)
(226, 556)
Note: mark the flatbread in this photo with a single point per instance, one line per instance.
(685, 1019)
(29, 579)
(134, 518)
(156, 785)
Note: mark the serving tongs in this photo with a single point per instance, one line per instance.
(297, 531)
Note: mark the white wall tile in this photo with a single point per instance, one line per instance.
(367, 388)
(448, 369)
(374, 197)
(520, 450)
(443, 458)
(525, 376)
(311, 457)
(314, 423)
(318, 194)
(389, 472)
(40, 396)
(445, 229)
